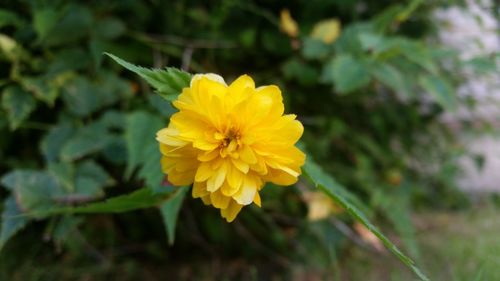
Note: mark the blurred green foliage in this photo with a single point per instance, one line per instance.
(76, 128)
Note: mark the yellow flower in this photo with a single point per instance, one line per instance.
(228, 141)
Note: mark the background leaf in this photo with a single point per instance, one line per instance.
(18, 104)
(326, 184)
(170, 211)
(440, 90)
(168, 82)
(347, 73)
(12, 221)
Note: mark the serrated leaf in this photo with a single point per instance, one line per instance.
(440, 90)
(391, 77)
(168, 82)
(12, 221)
(170, 211)
(64, 173)
(335, 191)
(347, 73)
(140, 135)
(41, 89)
(90, 169)
(86, 140)
(80, 96)
(151, 171)
(53, 142)
(18, 104)
(34, 190)
(139, 199)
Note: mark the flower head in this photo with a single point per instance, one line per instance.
(228, 141)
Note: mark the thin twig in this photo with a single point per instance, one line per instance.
(344, 229)
(183, 42)
(186, 58)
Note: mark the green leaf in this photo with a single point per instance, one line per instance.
(18, 104)
(440, 90)
(90, 179)
(315, 49)
(41, 89)
(80, 96)
(86, 140)
(34, 190)
(108, 28)
(392, 78)
(140, 135)
(168, 82)
(335, 191)
(68, 59)
(8, 18)
(162, 106)
(64, 228)
(417, 53)
(139, 199)
(44, 20)
(170, 211)
(297, 70)
(72, 26)
(12, 222)
(151, 170)
(53, 142)
(347, 73)
(396, 208)
(64, 173)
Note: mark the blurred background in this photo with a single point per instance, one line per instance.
(399, 100)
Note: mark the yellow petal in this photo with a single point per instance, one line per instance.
(210, 76)
(231, 211)
(240, 89)
(199, 190)
(247, 191)
(181, 178)
(240, 165)
(217, 179)
(204, 172)
(256, 199)
(247, 155)
(219, 200)
(234, 181)
(206, 199)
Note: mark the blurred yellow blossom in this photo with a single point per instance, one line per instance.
(228, 141)
(327, 30)
(320, 206)
(287, 24)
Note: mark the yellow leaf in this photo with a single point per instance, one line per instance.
(287, 24)
(327, 30)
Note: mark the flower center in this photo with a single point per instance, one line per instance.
(229, 142)
(231, 135)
